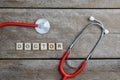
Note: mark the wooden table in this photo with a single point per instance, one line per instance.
(67, 18)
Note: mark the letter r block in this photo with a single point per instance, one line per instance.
(59, 46)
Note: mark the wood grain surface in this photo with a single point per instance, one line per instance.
(60, 3)
(67, 18)
(64, 28)
(48, 70)
(73, 19)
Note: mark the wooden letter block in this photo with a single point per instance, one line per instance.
(19, 46)
(43, 46)
(27, 46)
(59, 46)
(35, 46)
(51, 46)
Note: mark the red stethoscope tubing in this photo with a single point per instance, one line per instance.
(65, 75)
(17, 24)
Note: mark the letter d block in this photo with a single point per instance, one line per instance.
(19, 46)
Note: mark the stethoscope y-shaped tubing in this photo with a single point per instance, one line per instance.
(65, 75)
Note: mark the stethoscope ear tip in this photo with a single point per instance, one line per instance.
(91, 18)
(106, 31)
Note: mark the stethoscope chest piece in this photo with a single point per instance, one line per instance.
(43, 26)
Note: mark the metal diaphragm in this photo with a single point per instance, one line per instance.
(43, 26)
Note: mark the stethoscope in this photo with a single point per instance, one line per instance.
(42, 26)
(67, 53)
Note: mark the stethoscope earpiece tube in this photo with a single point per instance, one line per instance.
(82, 66)
(42, 26)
